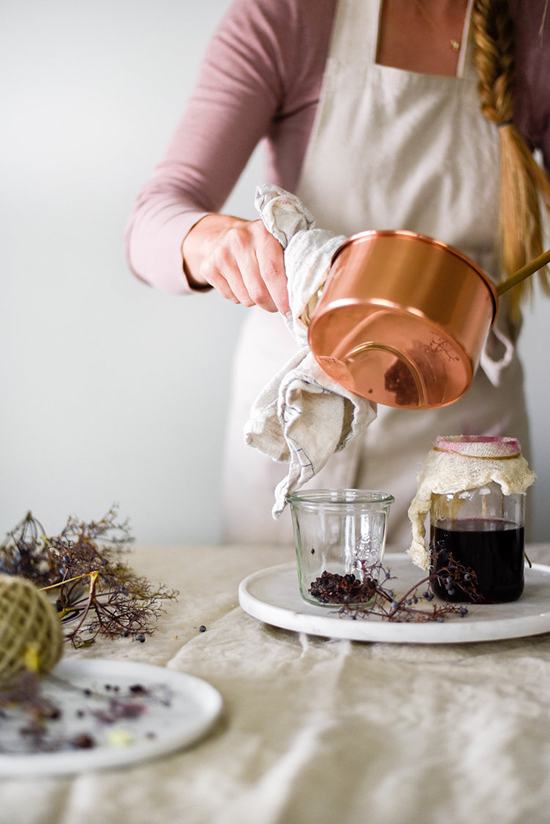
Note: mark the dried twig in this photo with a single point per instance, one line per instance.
(96, 592)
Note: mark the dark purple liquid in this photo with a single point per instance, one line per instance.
(493, 549)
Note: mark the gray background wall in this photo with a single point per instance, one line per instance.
(111, 391)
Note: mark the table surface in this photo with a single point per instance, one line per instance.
(315, 729)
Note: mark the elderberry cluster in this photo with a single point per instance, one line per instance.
(332, 588)
(372, 596)
(452, 581)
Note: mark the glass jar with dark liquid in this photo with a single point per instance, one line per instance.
(483, 530)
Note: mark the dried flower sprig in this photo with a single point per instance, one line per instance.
(371, 593)
(97, 593)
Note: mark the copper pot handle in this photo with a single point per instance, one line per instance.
(523, 273)
(309, 308)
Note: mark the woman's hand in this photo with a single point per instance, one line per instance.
(240, 259)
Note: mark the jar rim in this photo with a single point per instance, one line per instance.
(478, 446)
(341, 496)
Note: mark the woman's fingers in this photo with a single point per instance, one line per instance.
(243, 261)
(271, 264)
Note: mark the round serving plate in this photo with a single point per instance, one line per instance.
(132, 711)
(273, 596)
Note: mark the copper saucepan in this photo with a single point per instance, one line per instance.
(403, 318)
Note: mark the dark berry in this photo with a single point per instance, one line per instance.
(83, 741)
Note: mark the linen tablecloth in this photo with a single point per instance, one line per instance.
(314, 729)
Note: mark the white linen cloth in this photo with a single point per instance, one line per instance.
(302, 416)
(314, 729)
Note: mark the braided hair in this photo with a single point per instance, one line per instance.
(524, 185)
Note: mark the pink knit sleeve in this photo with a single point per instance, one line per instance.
(237, 95)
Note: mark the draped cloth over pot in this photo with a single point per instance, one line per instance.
(302, 416)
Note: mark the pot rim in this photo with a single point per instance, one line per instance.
(411, 235)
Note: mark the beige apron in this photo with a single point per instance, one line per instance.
(389, 149)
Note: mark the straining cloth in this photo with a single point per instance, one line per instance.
(456, 463)
(29, 626)
(302, 416)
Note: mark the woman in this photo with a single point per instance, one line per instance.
(374, 115)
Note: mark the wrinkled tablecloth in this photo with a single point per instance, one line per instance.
(317, 730)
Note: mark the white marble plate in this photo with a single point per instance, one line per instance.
(176, 710)
(273, 596)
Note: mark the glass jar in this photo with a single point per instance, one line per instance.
(338, 533)
(481, 529)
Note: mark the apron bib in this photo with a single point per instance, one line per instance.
(390, 149)
(393, 149)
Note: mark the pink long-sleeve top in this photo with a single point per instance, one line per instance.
(260, 80)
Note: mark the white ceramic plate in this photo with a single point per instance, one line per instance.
(175, 711)
(273, 596)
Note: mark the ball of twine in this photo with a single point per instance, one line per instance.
(31, 636)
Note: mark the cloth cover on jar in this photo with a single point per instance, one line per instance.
(458, 463)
